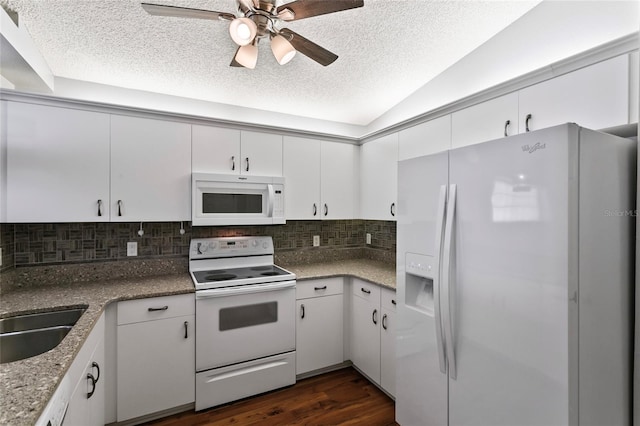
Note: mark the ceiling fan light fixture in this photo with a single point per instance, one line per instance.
(282, 49)
(247, 56)
(242, 31)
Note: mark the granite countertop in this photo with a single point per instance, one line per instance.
(383, 274)
(27, 385)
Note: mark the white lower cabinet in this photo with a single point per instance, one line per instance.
(372, 333)
(155, 355)
(319, 324)
(87, 377)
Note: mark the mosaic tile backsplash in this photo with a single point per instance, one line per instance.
(62, 243)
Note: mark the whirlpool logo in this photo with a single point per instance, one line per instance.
(531, 149)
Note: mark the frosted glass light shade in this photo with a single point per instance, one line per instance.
(242, 31)
(247, 56)
(282, 49)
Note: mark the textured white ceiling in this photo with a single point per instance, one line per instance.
(387, 50)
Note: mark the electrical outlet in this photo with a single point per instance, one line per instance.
(316, 240)
(368, 238)
(132, 248)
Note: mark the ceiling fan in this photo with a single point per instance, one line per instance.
(261, 19)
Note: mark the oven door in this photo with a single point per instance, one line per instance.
(236, 324)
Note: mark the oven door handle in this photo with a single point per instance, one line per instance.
(244, 289)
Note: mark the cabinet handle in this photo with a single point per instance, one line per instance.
(164, 308)
(526, 122)
(302, 311)
(393, 209)
(97, 367)
(247, 159)
(93, 385)
(99, 207)
(506, 128)
(393, 301)
(320, 288)
(233, 162)
(186, 329)
(315, 209)
(374, 316)
(119, 207)
(384, 321)
(365, 290)
(326, 209)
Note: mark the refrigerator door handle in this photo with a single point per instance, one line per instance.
(440, 221)
(446, 281)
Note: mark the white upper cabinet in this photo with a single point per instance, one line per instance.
(215, 150)
(231, 151)
(150, 170)
(261, 154)
(301, 158)
(339, 171)
(489, 120)
(57, 164)
(425, 138)
(595, 97)
(379, 178)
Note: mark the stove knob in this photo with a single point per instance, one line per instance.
(264, 245)
(254, 243)
(213, 245)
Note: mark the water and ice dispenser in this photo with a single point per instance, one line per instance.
(420, 271)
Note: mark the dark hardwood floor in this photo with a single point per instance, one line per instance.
(342, 397)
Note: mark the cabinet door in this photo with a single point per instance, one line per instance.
(57, 164)
(425, 138)
(301, 163)
(379, 178)
(388, 351)
(156, 366)
(318, 333)
(595, 97)
(150, 170)
(365, 337)
(486, 121)
(339, 171)
(261, 154)
(215, 150)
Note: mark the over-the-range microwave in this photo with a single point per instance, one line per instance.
(236, 200)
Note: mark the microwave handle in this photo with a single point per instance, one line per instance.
(272, 195)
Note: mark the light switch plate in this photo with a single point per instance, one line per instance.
(316, 240)
(368, 238)
(132, 248)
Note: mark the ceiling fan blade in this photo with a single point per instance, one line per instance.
(308, 8)
(309, 48)
(235, 63)
(185, 12)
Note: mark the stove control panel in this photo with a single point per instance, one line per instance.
(211, 248)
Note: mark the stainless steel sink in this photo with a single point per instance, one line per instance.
(25, 336)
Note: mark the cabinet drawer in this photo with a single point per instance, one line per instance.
(367, 291)
(316, 288)
(155, 308)
(388, 299)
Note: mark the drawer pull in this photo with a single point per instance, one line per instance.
(93, 385)
(320, 288)
(97, 367)
(393, 301)
(164, 308)
(365, 290)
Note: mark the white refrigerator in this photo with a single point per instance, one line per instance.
(514, 281)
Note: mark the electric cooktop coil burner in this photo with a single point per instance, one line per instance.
(219, 276)
(270, 273)
(261, 268)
